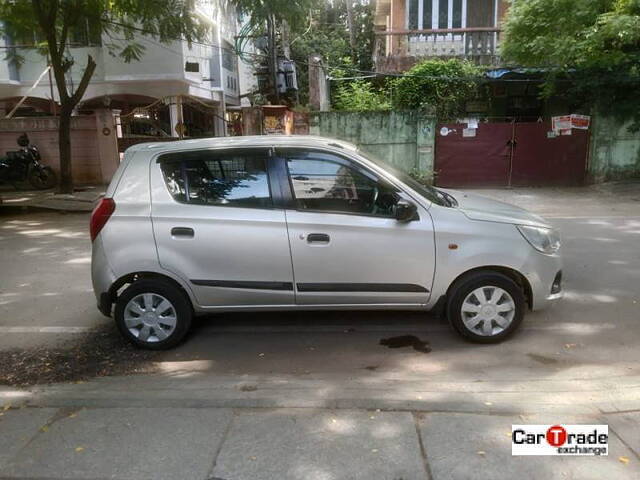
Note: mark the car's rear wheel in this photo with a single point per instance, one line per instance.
(486, 307)
(153, 314)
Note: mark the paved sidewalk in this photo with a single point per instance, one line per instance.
(305, 444)
(82, 200)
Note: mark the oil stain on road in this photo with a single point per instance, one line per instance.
(407, 341)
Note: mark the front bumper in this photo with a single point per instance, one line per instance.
(544, 273)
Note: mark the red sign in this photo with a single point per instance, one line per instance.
(580, 121)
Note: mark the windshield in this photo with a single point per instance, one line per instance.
(428, 192)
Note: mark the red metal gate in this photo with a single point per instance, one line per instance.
(541, 160)
(503, 154)
(471, 161)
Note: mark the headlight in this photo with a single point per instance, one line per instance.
(545, 240)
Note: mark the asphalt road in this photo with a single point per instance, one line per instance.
(579, 358)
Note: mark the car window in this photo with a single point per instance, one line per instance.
(428, 192)
(223, 180)
(324, 183)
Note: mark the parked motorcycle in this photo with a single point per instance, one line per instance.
(24, 164)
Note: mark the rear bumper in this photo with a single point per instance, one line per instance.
(102, 277)
(104, 304)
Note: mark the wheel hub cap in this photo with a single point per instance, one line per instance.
(150, 317)
(488, 311)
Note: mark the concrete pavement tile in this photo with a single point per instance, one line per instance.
(627, 426)
(321, 445)
(131, 443)
(598, 468)
(470, 446)
(17, 427)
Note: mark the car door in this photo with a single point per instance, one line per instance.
(216, 225)
(347, 246)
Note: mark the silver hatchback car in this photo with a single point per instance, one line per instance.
(306, 223)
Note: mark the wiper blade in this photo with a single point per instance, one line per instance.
(449, 200)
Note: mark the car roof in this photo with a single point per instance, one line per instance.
(244, 141)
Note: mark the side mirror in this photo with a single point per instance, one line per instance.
(406, 211)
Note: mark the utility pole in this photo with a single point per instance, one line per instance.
(273, 55)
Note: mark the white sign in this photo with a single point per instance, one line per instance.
(468, 132)
(560, 440)
(562, 122)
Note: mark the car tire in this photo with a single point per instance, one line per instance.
(486, 307)
(153, 314)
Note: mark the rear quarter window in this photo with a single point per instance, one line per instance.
(236, 179)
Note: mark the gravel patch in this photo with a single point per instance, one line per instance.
(97, 354)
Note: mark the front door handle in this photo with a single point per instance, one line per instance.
(318, 238)
(182, 232)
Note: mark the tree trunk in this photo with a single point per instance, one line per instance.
(352, 33)
(286, 41)
(64, 146)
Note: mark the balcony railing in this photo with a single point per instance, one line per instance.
(399, 49)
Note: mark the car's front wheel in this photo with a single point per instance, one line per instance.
(486, 307)
(153, 314)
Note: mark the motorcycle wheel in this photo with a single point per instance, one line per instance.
(42, 178)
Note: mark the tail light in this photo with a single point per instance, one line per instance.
(100, 215)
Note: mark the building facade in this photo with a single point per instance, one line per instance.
(175, 89)
(410, 30)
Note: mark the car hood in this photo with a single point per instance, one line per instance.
(478, 207)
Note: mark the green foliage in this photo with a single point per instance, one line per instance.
(421, 177)
(440, 85)
(549, 32)
(359, 95)
(591, 45)
(327, 35)
(119, 20)
(293, 12)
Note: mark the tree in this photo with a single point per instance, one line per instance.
(294, 12)
(269, 16)
(327, 34)
(442, 85)
(590, 50)
(115, 21)
(358, 96)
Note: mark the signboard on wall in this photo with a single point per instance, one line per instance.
(560, 123)
(580, 122)
(564, 123)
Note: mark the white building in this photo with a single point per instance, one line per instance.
(181, 83)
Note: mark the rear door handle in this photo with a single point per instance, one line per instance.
(318, 238)
(182, 232)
